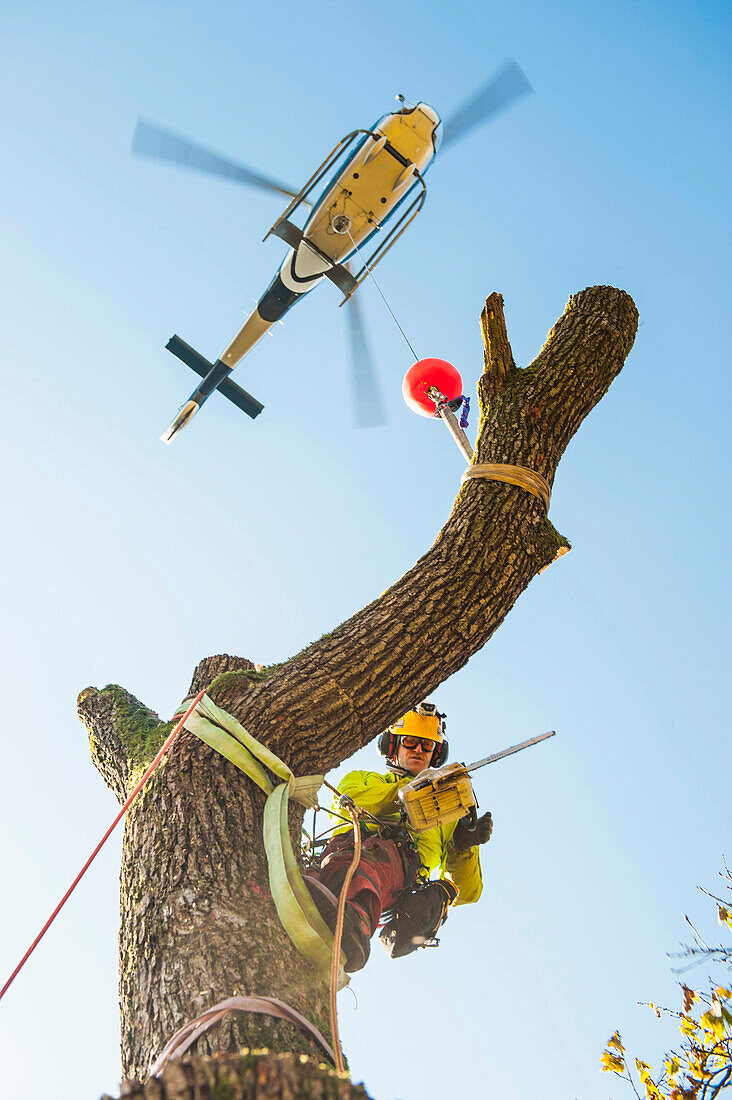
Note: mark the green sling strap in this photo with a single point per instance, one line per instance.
(295, 907)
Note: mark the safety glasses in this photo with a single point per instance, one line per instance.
(410, 742)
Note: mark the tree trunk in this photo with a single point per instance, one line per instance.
(245, 1077)
(198, 924)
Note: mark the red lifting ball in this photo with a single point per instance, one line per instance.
(426, 373)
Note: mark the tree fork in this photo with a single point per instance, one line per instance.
(197, 922)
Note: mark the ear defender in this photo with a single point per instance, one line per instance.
(388, 744)
(439, 756)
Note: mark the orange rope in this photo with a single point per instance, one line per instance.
(338, 935)
(169, 741)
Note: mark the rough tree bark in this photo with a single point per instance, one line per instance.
(197, 922)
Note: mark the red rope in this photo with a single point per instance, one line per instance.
(171, 738)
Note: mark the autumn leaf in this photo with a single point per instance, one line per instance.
(644, 1070)
(689, 997)
(610, 1063)
(672, 1065)
(615, 1043)
(710, 1021)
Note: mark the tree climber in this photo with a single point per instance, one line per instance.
(391, 883)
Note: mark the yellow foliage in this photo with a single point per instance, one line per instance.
(610, 1063)
(643, 1069)
(672, 1065)
(688, 1026)
(702, 1063)
(713, 1020)
(615, 1043)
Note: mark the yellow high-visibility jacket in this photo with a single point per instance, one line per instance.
(378, 795)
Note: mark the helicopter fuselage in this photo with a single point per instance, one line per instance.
(355, 204)
(386, 164)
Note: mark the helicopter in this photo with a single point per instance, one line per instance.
(372, 177)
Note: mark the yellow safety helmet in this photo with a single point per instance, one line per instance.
(419, 723)
(424, 720)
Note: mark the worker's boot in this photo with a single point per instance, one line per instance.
(356, 937)
(417, 916)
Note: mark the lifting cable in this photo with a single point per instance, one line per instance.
(131, 798)
(370, 272)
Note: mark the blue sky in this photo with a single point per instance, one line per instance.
(126, 561)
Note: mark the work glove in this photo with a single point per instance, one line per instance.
(464, 837)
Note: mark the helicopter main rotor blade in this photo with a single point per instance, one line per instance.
(368, 403)
(508, 85)
(151, 141)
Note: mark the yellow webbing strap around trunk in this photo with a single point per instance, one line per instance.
(295, 908)
(522, 476)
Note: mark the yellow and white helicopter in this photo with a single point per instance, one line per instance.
(369, 176)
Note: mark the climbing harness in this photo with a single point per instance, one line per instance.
(131, 798)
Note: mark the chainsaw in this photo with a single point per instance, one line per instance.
(438, 796)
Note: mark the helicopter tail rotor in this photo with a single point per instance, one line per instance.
(215, 377)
